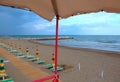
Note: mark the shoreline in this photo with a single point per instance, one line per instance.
(104, 45)
(76, 48)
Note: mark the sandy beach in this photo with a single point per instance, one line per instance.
(82, 65)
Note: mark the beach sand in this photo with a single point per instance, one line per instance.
(82, 65)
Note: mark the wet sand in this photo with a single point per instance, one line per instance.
(84, 65)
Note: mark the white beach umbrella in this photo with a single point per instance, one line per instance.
(64, 8)
(48, 9)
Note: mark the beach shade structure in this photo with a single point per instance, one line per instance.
(27, 55)
(2, 69)
(36, 56)
(3, 74)
(48, 9)
(4, 77)
(48, 66)
(38, 61)
(51, 66)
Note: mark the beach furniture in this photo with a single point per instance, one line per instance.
(58, 69)
(3, 75)
(1, 58)
(40, 61)
(5, 46)
(48, 66)
(7, 80)
(36, 58)
(10, 49)
(28, 56)
(51, 66)
(0, 44)
(33, 59)
(18, 52)
(27, 50)
(20, 55)
(13, 51)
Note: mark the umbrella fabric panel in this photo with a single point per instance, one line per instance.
(43, 8)
(64, 8)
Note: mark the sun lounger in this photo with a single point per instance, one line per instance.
(58, 68)
(29, 56)
(7, 80)
(4, 60)
(1, 58)
(13, 51)
(33, 59)
(10, 48)
(40, 61)
(48, 66)
(19, 54)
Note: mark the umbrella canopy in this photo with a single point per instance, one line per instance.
(64, 8)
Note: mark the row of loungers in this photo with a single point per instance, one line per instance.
(30, 58)
(4, 77)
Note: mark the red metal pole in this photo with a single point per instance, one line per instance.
(45, 79)
(55, 77)
(56, 47)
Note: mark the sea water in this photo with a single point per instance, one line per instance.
(100, 42)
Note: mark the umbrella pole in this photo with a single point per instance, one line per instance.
(56, 49)
(55, 77)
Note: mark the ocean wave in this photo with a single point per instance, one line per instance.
(107, 41)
